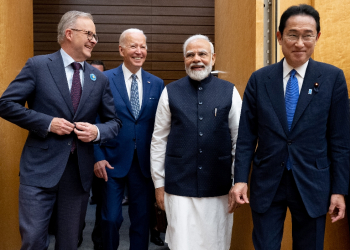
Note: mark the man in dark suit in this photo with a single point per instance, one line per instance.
(64, 95)
(136, 94)
(294, 126)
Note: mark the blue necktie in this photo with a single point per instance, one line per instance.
(291, 100)
(134, 97)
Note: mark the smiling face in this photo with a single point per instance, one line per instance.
(134, 51)
(79, 46)
(199, 60)
(298, 52)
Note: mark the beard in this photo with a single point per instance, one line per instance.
(199, 75)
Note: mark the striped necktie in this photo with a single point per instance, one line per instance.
(291, 100)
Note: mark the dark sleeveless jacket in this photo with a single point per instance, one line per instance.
(198, 154)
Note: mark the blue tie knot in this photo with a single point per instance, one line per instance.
(292, 73)
(133, 77)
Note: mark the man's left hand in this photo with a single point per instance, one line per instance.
(337, 207)
(86, 132)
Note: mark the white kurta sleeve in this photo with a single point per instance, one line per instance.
(159, 139)
(233, 122)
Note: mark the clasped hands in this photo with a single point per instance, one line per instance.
(85, 132)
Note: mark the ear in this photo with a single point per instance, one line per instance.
(318, 36)
(121, 50)
(279, 37)
(213, 58)
(68, 34)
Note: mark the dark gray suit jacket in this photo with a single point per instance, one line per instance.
(42, 83)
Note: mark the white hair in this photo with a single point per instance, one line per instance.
(68, 21)
(197, 37)
(128, 31)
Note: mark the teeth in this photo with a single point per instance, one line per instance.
(138, 58)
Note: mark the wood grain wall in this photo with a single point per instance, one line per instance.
(167, 24)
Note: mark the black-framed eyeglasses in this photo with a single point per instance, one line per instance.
(89, 34)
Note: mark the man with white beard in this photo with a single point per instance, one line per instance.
(192, 152)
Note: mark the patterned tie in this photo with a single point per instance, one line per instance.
(75, 93)
(134, 97)
(291, 100)
(76, 89)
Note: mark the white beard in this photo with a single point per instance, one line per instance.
(199, 75)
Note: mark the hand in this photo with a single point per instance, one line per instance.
(86, 132)
(337, 207)
(237, 196)
(100, 169)
(160, 197)
(61, 126)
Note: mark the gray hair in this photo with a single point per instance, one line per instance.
(196, 37)
(128, 31)
(67, 21)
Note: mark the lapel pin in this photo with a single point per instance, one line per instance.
(310, 91)
(316, 85)
(148, 82)
(93, 77)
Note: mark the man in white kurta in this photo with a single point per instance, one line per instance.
(200, 221)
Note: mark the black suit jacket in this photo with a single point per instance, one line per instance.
(317, 143)
(42, 83)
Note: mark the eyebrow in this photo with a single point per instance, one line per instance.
(190, 51)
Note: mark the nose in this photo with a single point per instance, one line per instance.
(300, 42)
(93, 40)
(138, 50)
(196, 58)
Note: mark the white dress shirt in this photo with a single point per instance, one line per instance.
(128, 81)
(300, 75)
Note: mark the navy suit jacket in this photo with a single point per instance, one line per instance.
(42, 83)
(120, 150)
(317, 143)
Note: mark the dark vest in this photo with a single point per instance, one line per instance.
(198, 154)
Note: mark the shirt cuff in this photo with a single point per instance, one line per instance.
(159, 183)
(98, 134)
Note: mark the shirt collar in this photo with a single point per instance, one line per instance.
(127, 73)
(300, 70)
(68, 60)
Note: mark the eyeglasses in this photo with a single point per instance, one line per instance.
(90, 35)
(295, 38)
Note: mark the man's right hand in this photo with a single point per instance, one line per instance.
(160, 197)
(100, 169)
(238, 196)
(61, 126)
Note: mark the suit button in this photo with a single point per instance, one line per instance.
(134, 139)
(200, 151)
(200, 134)
(200, 103)
(200, 88)
(200, 167)
(69, 143)
(282, 164)
(289, 142)
(200, 118)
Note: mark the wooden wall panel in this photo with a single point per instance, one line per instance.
(167, 24)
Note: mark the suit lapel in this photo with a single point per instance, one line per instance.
(312, 76)
(87, 88)
(274, 87)
(58, 73)
(146, 86)
(119, 82)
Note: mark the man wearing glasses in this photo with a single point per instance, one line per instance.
(294, 126)
(64, 94)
